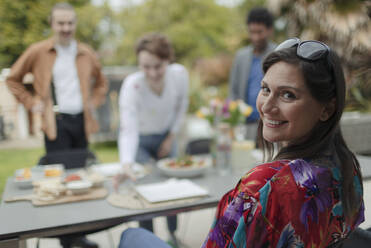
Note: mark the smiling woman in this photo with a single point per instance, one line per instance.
(310, 192)
(283, 105)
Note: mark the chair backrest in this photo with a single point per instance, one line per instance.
(199, 146)
(77, 158)
(359, 238)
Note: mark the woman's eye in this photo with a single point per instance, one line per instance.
(288, 95)
(264, 89)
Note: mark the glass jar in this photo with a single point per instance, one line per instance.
(223, 149)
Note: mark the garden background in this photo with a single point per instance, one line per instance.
(205, 34)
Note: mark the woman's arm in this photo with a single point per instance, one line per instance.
(128, 139)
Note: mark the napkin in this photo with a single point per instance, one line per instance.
(172, 189)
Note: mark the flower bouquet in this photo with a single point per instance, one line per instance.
(225, 111)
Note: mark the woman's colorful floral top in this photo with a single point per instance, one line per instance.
(284, 204)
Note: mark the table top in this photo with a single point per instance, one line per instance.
(23, 220)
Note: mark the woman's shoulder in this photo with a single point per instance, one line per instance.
(287, 172)
(257, 177)
(266, 169)
(176, 68)
(134, 80)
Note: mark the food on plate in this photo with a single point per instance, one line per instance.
(24, 174)
(49, 189)
(185, 162)
(53, 171)
(72, 177)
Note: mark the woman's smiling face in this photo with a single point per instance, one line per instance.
(286, 107)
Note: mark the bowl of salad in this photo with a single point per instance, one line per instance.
(187, 166)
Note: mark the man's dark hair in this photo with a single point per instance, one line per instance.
(260, 15)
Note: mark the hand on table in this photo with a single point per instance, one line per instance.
(165, 147)
(125, 174)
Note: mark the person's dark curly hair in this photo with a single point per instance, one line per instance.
(260, 15)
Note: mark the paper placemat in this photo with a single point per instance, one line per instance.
(172, 189)
(130, 199)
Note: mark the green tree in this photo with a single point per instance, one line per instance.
(196, 28)
(25, 22)
(342, 24)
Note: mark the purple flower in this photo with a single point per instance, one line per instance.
(288, 238)
(225, 109)
(361, 215)
(227, 224)
(317, 182)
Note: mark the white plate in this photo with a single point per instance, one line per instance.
(22, 183)
(79, 187)
(190, 171)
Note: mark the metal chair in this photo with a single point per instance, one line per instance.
(198, 146)
(71, 159)
(359, 238)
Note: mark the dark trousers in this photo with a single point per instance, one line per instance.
(70, 134)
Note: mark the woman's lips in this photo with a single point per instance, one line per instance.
(274, 123)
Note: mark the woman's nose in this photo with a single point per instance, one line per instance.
(269, 105)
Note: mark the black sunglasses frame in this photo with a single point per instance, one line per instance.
(292, 42)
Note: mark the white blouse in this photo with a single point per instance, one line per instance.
(143, 112)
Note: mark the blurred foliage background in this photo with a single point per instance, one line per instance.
(204, 33)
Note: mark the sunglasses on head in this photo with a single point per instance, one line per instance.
(310, 50)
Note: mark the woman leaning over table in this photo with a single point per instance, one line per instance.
(310, 194)
(153, 103)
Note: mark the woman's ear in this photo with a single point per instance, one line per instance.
(328, 110)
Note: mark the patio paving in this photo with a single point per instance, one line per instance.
(192, 230)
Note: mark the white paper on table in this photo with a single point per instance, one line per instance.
(172, 189)
(111, 169)
(107, 169)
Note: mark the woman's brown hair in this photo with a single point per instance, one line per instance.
(157, 44)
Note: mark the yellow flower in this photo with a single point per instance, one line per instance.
(199, 114)
(203, 112)
(232, 106)
(248, 111)
(245, 109)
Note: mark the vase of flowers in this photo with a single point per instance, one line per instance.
(226, 112)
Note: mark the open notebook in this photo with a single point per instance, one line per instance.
(172, 189)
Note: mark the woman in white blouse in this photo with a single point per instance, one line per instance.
(153, 103)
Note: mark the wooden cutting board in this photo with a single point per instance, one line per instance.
(94, 193)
